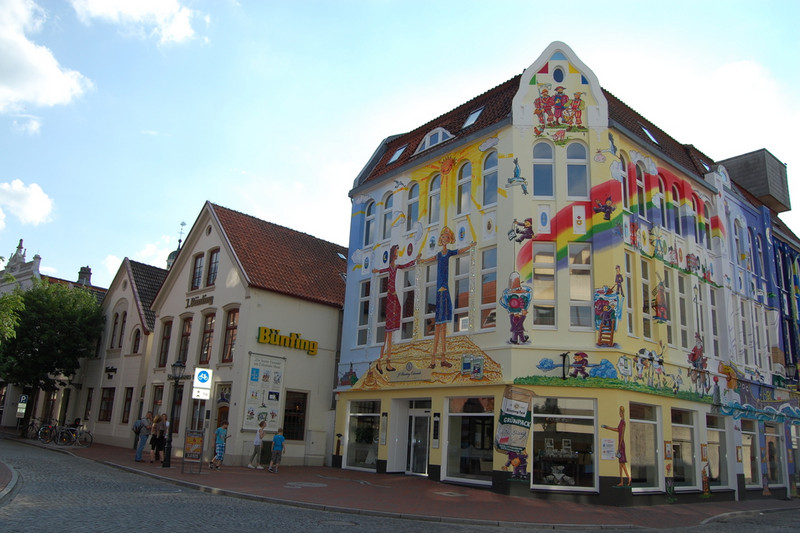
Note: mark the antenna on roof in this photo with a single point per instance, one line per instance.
(180, 235)
(174, 254)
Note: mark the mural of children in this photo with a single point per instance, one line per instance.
(392, 307)
(621, 455)
(618, 281)
(516, 299)
(525, 229)
(519, 462)
(606, 208)
(444, 304)
(579, 363)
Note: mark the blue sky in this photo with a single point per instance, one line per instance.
(119, 118)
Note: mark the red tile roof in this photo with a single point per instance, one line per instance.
(497, 107)
(283, 260)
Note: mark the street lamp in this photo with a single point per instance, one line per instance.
(178, 369)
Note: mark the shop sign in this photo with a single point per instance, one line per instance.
(409, 372)
(292, 340)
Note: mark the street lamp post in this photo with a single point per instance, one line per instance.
(178, 370)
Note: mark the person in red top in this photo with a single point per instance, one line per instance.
(621, 455)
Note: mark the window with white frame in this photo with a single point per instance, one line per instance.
(186, 333)
(412, 207)
(437, 136)
(197, 271)
(472, 118)
(388, 216)
(684, 469)
(380, 320)
(461, 296)
(647, 321)
(362, 328)
(488, 288)
(469, 439)
(396, 155)
(712, 300)
(645, 443)
(773, 438)
(717, 451)
(751, 251)
(744, 330)
(683, 310)
(707, 223)
(750, 453)
(760, 255)
(464, 188)
(213, 267)
(695, 221)
(626, 197)
(668, 284)
(662, 203)
(581, 308)
(543, 301)
(433, 199)
(543, 170)
(629, 293)
(676, 211)
(407, 298)
(369, 224)
(207, 340)
(429, 316)
(490, 179)
(758, 336)
(577, 171)
(363, 427)
(640, 192)
(738, 245)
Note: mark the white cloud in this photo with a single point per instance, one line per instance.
(155, 253)
(27, 124)
(29, 203)
(31, 74)
(111, 263)
(167, 20)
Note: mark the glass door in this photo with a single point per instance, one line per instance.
(418, 435)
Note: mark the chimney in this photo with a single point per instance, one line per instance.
(85, 276)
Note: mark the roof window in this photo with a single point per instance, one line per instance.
(397, 154)
(647, 132)
(472, 118)
(437, 136)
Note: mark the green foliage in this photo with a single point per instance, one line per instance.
(11, 305)
(58, 326)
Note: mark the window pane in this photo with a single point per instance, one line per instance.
(543, 180)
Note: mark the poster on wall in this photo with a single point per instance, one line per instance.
(514, 424)
(264, 391)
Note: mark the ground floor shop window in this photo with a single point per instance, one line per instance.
(717, 451)
(563, 443)
(796, 453)
(362, 434)
(644, 446)
(683, 448)
(470, 439)
(772, 438)
(752, 465)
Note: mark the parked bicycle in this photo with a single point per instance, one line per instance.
(32, 429)
(73, 436)
(47, 432)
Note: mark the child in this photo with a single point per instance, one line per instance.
(221, 436)
(277, 451)
(257, 447)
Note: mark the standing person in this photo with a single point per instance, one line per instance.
(159, 436)
(277, 451)
(257, 447)
(621, 455)
(219, 446)
(444, 304)
(146, 425)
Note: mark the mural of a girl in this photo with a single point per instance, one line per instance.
(444, 304)
(392, 309)
(621, 455)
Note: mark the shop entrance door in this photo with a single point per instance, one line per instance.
(419, 421)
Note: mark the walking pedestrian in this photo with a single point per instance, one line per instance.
(159, 438)
(277, 451)
(221, 435)
(259, 440)
(146, 425)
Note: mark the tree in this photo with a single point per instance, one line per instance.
(58, 326)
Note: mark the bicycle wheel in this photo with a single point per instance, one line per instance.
(32, 431)
(46, 434)
(64, 437)
(84, 439)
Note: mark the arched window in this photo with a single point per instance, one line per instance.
(662, 202)
(751, 250)
(760, 256)
(388, 204)
(695, 221)
(369, 224)
(114, 330)
(738, 245)
(490, 179)
(626, 198)
(676, 211)
(433, 199)
(707, 224)
(543, 184)
(412, 209)
(137, 340)
(640, 197)
(464, 188)
(122, 328)
(577, 171)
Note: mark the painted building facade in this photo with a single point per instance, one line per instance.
(540, 299)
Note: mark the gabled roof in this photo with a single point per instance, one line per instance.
(145, 281)
(497, 104)
(283, 260)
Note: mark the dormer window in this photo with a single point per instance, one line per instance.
(397, 154)
(437, 136)
(472, 118)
